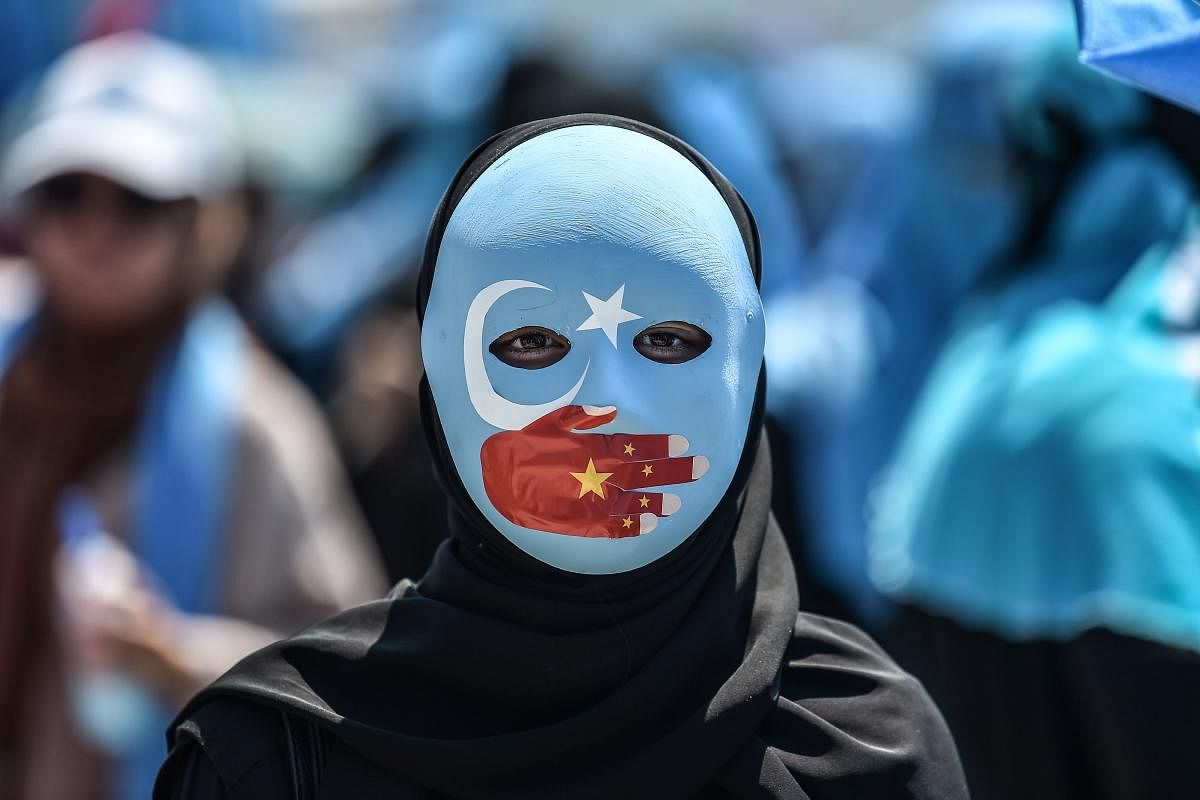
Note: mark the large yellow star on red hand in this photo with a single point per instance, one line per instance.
(591, 481)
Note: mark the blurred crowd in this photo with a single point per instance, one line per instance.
(982, 287)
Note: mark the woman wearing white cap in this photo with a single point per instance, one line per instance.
(182, 480)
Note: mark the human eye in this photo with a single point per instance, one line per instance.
(672, 342)
(530, 347)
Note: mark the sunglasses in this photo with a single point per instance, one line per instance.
(66, 195)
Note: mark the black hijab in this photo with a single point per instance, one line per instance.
(499, 676)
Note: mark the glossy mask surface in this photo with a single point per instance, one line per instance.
(606, 460)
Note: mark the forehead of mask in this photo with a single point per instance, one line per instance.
(614, 215)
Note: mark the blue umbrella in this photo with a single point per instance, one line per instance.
(1152, 44)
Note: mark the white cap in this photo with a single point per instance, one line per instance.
(146, 113)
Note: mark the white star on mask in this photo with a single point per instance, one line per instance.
(607, 314)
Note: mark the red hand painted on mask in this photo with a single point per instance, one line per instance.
(549, 478)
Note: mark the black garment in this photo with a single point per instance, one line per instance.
(499, 676)
(1103, 716)
(848, 724)
(401, 501)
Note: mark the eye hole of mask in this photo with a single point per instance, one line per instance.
(672, 342)
(530, 347)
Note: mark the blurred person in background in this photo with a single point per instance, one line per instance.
(170, 500)
(932, 195)
(1040, 520)
(848, 117)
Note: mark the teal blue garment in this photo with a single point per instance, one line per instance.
(183, 463)
(1050, 479)
(1152, 44)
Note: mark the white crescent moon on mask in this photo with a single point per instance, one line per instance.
(495, 410)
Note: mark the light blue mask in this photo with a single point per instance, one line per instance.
(606, 460)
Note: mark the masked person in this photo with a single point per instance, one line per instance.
(169, 501)
(615, 611)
